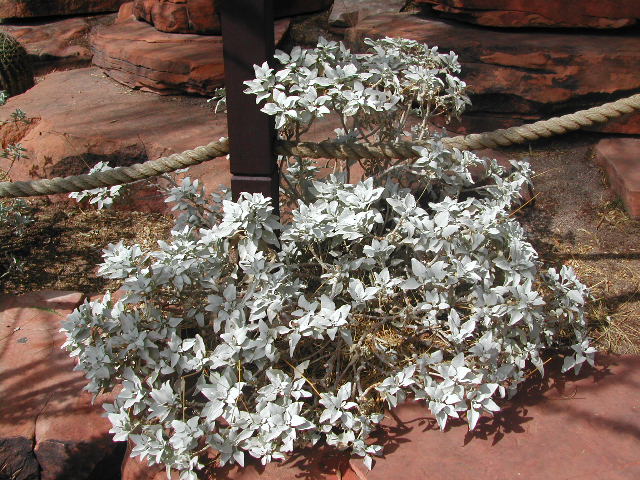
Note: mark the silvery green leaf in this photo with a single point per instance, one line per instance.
(368, 461)
(410, 283)
(238, 456)
(344, 392)
(360, 293)
(472, 417)
(294, 338)
(458, 361)
(441, 219)
(490, 405)
(418, 268)
(575, 296)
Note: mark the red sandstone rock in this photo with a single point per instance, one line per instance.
(620, 157)
(50, 8)
(49, 428)
(524, 74)
(58, 44)
(541, 13)
(12, 132)
(85, 117)
(348, 14)
(137, 55)
(179, 16)
(201, 16)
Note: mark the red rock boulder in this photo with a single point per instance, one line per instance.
(179, 16)
(521, 76)
(136, 54)
(541, 13)
(50, 8)
(202, 16)
(49, 427)
(81, 117)
(620, 157)
(57, 44)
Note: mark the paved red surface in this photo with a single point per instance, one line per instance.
(620, 157)
(558, 428)
(50, 429)
(562, 427)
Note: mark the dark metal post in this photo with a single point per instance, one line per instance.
(248, 38)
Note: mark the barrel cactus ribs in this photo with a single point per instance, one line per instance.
(16, 75)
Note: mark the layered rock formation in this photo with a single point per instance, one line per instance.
(50, 8)
(58, 43)
(541, 13)
(202, 16)
(81, 117)
(179, 16)
(136, 54)
(516, 77)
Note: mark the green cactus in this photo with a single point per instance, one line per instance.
(16, 75)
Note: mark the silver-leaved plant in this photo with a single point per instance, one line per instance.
(246, 334)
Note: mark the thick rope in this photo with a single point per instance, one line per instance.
(326, 149)
(115, 176)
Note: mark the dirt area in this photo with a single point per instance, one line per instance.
(577, 221)
(61, 249)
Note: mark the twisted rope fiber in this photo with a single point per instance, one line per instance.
(326, 149)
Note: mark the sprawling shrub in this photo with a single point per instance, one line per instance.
(244, 335)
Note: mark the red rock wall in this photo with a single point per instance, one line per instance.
(50, 8)
(516, 77)
(542, 13)
(201, 16)
(179, 16)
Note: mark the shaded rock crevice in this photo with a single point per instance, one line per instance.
(18, 460)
